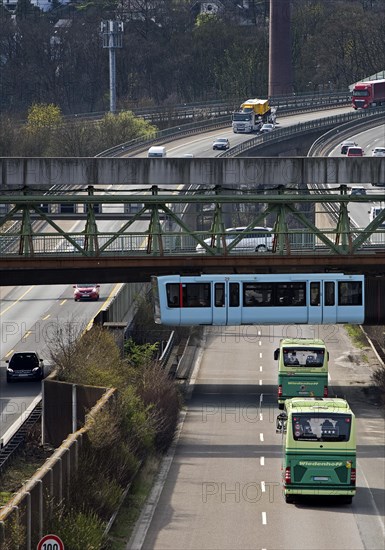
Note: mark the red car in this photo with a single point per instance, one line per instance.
(86, 291)
(355, 152)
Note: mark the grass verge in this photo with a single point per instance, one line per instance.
(132, 506)
(357, 336)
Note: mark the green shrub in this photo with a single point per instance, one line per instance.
(79, 530)
(163, 401)
(14, 534)
(378, 378)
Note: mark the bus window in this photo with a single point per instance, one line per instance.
(234, 294)
(321, 426)
(304, 356)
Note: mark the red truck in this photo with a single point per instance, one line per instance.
(368, 94)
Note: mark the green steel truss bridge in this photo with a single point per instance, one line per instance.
(130, 234)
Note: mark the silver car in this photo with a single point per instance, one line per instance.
(221, 143)
(265, 128)
(257, 239)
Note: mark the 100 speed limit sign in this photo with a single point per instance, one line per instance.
(50, 542)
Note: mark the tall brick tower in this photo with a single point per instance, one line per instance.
(280, 62)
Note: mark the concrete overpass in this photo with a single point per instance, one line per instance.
(43, 173)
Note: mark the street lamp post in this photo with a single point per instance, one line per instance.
(112, 32)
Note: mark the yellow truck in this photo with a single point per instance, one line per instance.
(251, 115)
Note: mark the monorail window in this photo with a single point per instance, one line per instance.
(172, 290)
(234, 294)
(330, 293)
(291, 294)
(349, 293)
(321, 427)
(257, 294)
(219, 294)
(196, 295)
(315, 293)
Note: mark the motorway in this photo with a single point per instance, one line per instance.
(223, 488)
(233, 501)
(200, 145)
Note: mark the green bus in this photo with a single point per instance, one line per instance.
(319, 455)
(302, 368)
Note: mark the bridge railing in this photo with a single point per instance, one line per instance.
(219, 107)
(347, 120)
(294, 241)
(220, 117)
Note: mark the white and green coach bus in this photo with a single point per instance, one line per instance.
(302, 368)
(319, 448)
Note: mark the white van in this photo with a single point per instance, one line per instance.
(157, 151)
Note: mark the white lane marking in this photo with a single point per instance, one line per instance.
(260, 416)
(260, 382)
(261, 436)
(263, 487)
(260, 355)
(260, 368)
(63, 302)
(259, 343)
(259, 333)
(264, 518)
(46, 317)
(262, 461)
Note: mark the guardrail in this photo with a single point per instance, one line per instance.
(219, 107)
(287, 106)
(349, 120)
(327, 141)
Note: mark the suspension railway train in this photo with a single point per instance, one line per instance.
(326, 298)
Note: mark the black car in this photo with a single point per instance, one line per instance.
(25, 365)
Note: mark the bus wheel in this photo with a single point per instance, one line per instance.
(281, 406)
(289, 499)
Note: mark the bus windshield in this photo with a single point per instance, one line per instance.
(321, 426)
(303, 357)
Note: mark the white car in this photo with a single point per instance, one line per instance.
(221, 143)
(266, 128)
(257, 239)
(378, 152)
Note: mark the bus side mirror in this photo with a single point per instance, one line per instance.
(276, 354)
(328, 356)
(281, 423)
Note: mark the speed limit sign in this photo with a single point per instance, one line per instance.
(50, 542)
